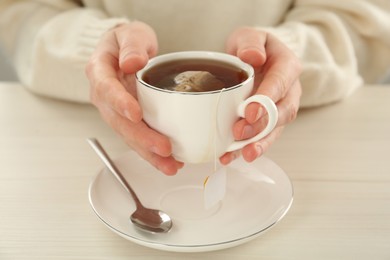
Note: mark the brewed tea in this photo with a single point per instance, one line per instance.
(194, 75)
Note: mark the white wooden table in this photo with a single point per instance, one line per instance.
(337, 156)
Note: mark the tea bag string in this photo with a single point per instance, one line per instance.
(216, 129)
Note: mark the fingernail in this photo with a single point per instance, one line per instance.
(154, 149)
(160, 151)
(259, 149)
(229, 159)
(122, 58)
(126, 55)
(128, 115)
(259, 114)
(247, 132)
(180, 165)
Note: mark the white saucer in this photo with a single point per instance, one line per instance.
(258, 195)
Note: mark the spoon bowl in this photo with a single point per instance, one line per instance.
(151, 220)
(158, 221)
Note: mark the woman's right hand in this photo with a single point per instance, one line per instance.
(121, 52)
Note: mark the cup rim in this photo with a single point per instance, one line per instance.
(233, 60)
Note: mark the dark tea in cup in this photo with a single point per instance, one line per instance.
(194, 75)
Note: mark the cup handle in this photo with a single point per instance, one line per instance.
(272, 111)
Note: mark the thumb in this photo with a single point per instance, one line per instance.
(248, 44)
(132, 59)
(137, 43)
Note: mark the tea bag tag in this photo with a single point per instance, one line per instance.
(214, 188)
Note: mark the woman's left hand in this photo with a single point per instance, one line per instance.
(277, 76)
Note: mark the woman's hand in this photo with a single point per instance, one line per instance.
(121, 52)
(277, 76)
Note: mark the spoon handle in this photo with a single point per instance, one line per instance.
(94, 143)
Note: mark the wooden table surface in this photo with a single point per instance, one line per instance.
(337, 156)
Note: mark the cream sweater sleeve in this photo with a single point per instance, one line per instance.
(341, 43)
(52, 34)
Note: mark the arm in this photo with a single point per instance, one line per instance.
(340, 44)
(55, 36)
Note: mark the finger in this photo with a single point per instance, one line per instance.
(139, 134)
(280, 71)
(255, 150)
(254, 112)
(248, 44)
(288, 106)
(287, 112)
(229, 157)
(101, 71)
(157, 156)
(148, 139)
(243, 130)
(107, 89)
(167, 165)
(150, 145)
(137, 43)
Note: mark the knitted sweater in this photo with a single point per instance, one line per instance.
(341, 43)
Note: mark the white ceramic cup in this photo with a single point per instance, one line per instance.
(200, 124)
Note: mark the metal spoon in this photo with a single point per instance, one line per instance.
(147, 219)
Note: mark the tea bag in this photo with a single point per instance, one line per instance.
(197, 81)
(214, 188)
